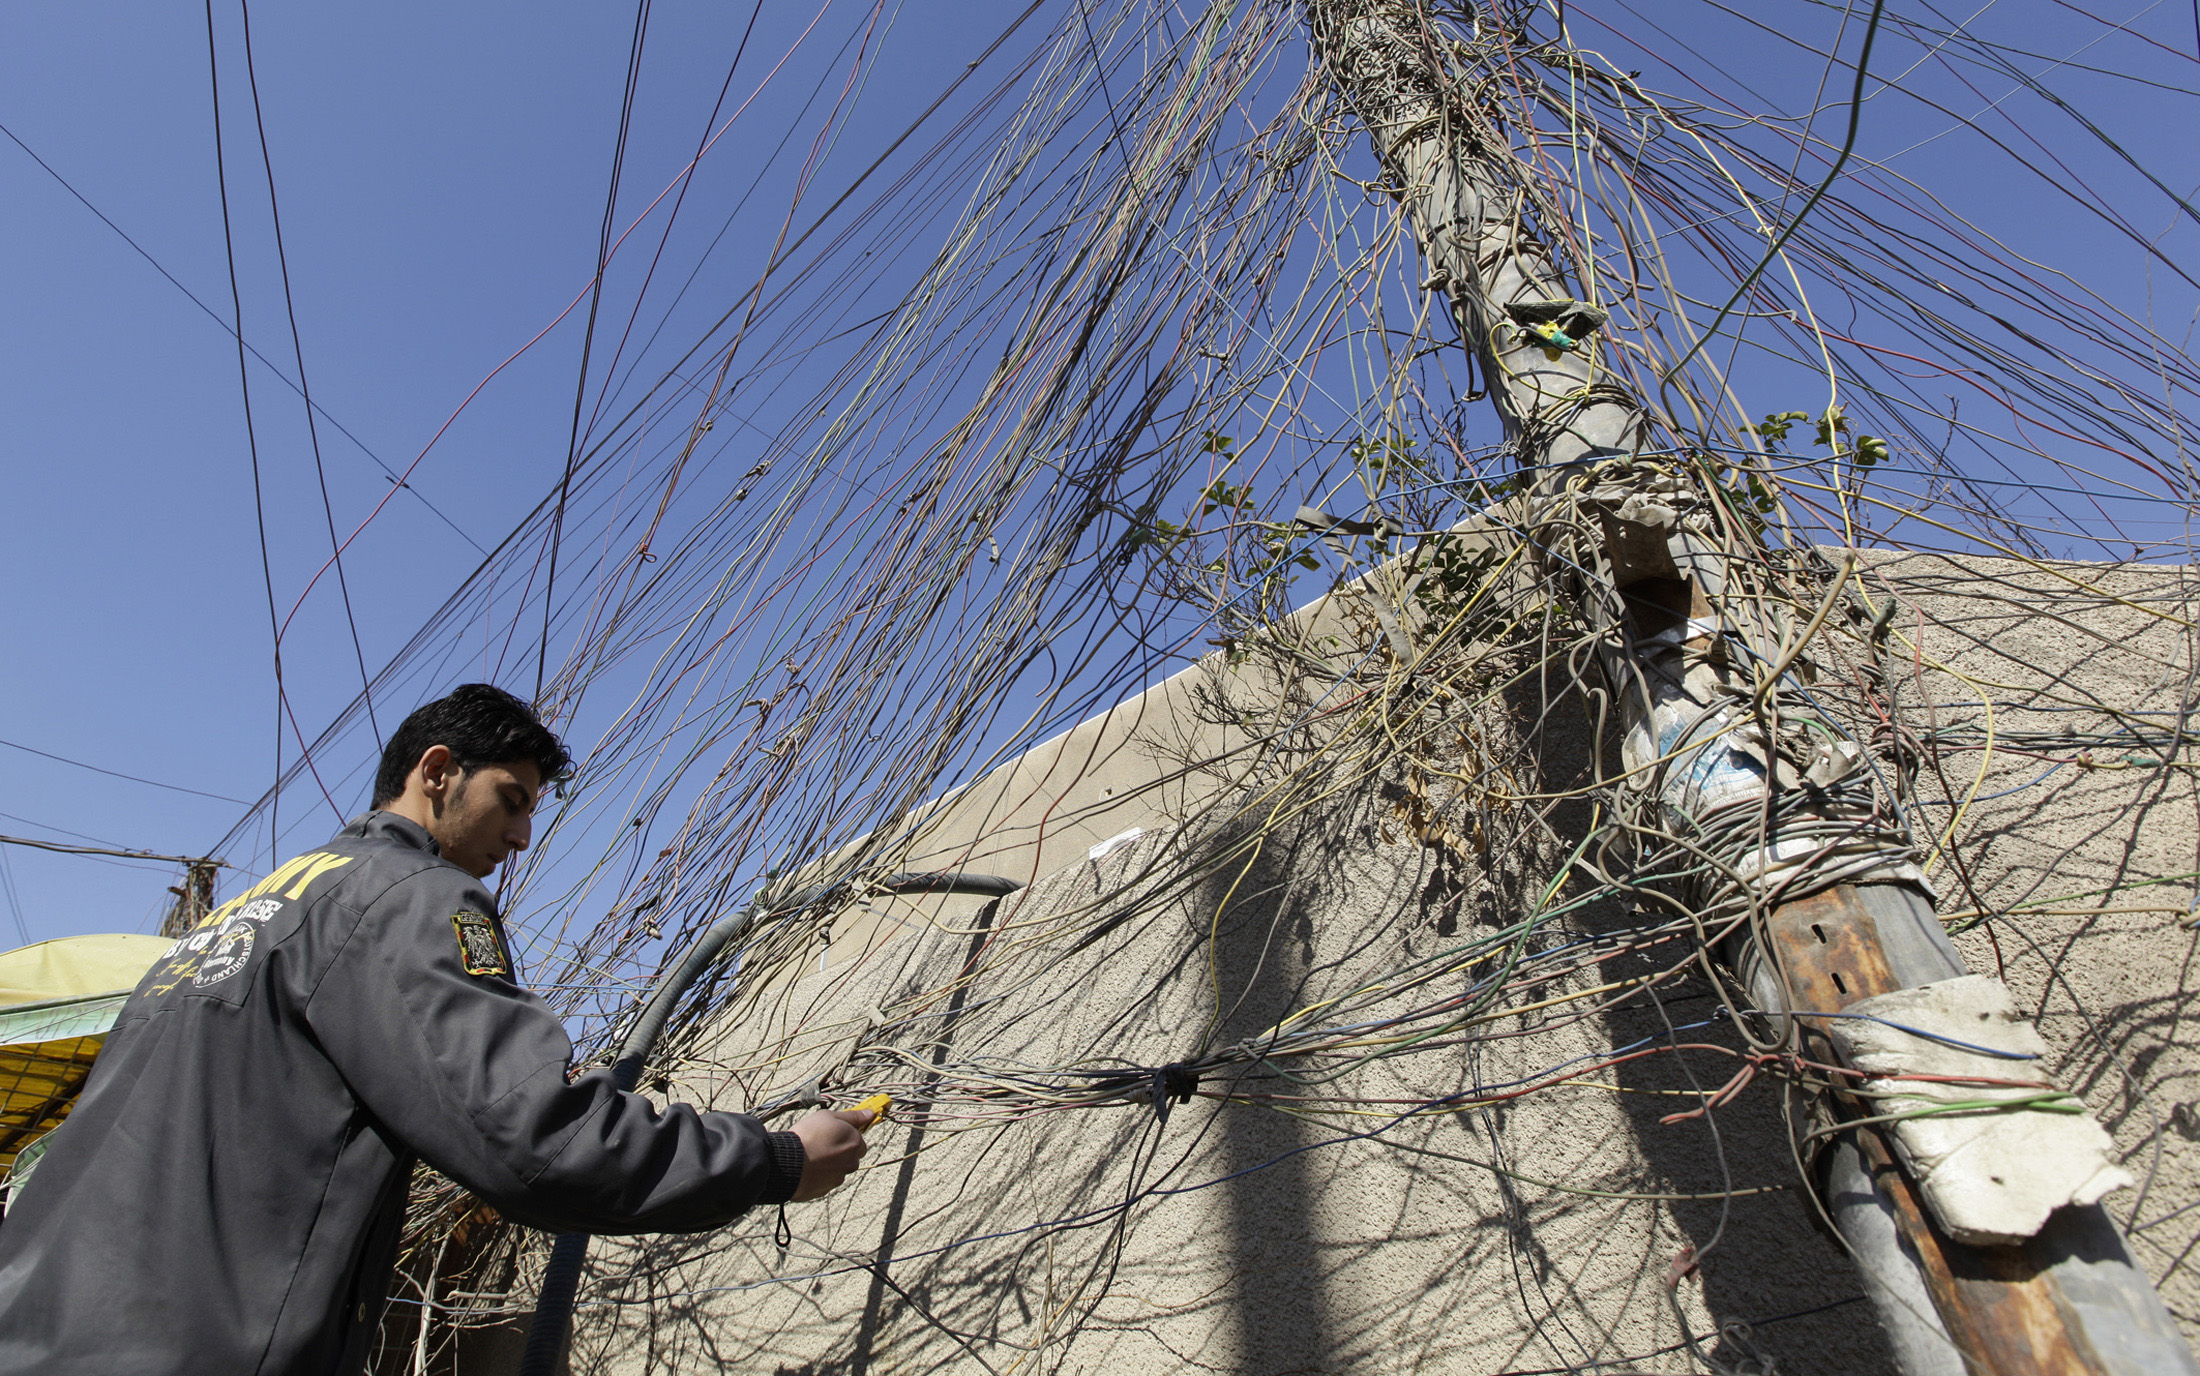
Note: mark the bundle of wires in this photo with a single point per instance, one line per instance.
(1018, 418)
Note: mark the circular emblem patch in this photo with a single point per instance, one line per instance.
(232, 947)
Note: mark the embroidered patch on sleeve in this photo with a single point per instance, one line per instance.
(478, 948)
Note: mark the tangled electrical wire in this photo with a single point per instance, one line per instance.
(1130, 361)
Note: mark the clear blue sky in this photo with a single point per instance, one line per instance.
(441, 174)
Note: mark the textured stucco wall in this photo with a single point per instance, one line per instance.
(1260, 1242)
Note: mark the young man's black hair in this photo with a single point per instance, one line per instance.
(479, 724)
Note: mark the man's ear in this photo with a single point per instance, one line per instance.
(436, 771)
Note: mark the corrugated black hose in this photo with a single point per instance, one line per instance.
(554, 1311)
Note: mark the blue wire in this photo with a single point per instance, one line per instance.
(1928, 1036)
(1934, 802)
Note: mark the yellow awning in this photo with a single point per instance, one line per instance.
(57, 1001)
(76, 966)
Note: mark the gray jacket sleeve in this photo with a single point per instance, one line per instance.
(469, 1071)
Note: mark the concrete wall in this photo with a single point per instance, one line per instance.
(1270, 874)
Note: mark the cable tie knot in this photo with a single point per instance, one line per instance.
(1176, 1082)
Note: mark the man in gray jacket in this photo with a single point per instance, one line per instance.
(227, 1195)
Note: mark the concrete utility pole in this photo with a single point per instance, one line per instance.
(1816, 904)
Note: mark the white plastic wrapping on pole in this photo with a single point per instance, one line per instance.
(1994, 1146)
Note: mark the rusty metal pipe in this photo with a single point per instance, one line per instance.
(2069, 1302)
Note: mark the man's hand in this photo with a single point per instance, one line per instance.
(832, 1144)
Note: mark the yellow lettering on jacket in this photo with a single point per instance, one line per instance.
(297, 872)
(322, 864)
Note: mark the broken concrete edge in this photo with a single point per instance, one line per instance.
(1994, 1145)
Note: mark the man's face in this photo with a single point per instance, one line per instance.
(487, 815)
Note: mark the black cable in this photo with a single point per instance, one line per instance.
(313, 432)
(903, 137)
(244, 381)
(1856, 119)
(672, 217)
(1605, 1368)
(266, 362)
(117, 774)
(588, 337)
(554, 1311)
(15, 902)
